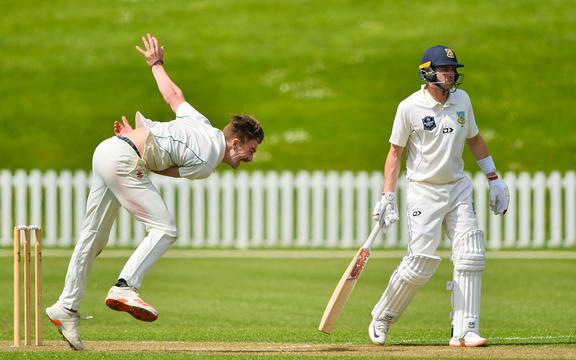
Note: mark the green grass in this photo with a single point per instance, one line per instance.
(281, 301)
(329, 72)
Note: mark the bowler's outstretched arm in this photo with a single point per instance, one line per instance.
(154, 55)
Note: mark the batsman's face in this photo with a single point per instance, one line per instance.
(242, 152)
(446, 75)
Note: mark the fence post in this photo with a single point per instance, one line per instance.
(525, 189)
(570, 206)
(242, 209)
(332, 205)
(302, 208)
(347, 208)
(65, 189)
(214, 217)
(554, 183)
(21, 189)
(6, 193)
(50, 209)
(318, 208)
(35, 183)
(539, 188)
(511, 215)
(286, 212)
(228, 203)
(362, 206)
(257, 190)
(197, 219)
(273, 211)
(185, 214)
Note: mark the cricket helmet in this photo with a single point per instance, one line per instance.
(438, 55)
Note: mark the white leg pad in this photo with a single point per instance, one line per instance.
(413, 272)
(469, 262)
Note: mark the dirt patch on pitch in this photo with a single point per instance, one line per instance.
(348, 350)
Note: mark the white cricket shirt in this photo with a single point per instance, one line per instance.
(190, 142)
(435, 134)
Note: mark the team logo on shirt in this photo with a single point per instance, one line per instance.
(461, 117)
(429, 123)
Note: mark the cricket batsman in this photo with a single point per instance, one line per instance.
(187, 147)
(434, 123)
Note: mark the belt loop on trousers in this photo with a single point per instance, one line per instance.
(129, 142)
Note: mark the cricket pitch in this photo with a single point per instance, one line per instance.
(303, 350)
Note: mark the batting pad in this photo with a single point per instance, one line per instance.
(413, 272)
(469, 262)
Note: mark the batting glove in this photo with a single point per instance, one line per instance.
(499, 196)
(385, 212)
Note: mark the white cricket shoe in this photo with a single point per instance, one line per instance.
(378, 331)
(469, 340)
(126, 299)
(67, 323)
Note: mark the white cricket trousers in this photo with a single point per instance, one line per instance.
(431, 207)
(119, 178)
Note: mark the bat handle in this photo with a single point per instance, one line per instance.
(373, 235)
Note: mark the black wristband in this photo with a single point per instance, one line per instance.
(157, 62)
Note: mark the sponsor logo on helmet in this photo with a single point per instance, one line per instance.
(461, 117)
(450, 53)
(429, 123)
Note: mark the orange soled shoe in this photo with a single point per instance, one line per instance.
(124, 298)
(67, 323)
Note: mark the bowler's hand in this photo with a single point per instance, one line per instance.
(499, 197)
(123, 127)
(385, 211)
(153, 53)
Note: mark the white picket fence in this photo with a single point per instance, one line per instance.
(295, 210)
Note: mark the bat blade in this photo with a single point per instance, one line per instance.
(343, 290)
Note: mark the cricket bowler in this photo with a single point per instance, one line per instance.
(187, 147)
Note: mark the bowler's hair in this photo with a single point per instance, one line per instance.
(245, 128)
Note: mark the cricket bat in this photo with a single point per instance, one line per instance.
(346, 284)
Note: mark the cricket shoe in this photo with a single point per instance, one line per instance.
(67, 323)
(469, 340)
(126, 299)
(378, 331)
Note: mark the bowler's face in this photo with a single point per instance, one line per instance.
(243, 153)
